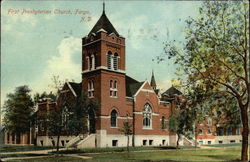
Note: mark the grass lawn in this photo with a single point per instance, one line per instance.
(54, 159)
(226, 145)
(229, 154)
(226, 154)
(15, 148)
(120, 149)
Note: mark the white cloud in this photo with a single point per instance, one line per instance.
(61, 65)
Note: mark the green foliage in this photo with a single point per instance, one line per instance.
(71, 115)
(78, 120)
(229, 154)
(70, 119)
(182, 122)
(18, 109)
(55, 123)
(173, 123)
(215, 59)
(216, 54)
(38, 96)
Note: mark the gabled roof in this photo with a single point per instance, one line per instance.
(132, 86)
(77, 87)
(172, 91)
(104, 24)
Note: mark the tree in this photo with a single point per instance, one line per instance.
(18, 109)
(41, 96)
(127, 130)
(55, 125)
(77, 123)
(70, 115)
(182, 122)
(59, 122)
(216, 55)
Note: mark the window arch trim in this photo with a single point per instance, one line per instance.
(113, 86)
(116, 61)
(147, 116)
(109, 60)
(91, 88)
(92, 61)
(113, 118)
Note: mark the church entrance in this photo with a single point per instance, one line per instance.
(91, 120)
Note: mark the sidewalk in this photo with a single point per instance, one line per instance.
(35, 157)
(34, 152)
(23, 158)
(209, 147)
(45, 154)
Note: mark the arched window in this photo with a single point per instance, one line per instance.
(90, 62)
(147, 115)
(200, 131)
(115, 61)
(93, 61)
(209, 131)
(111, 84)
(91, 119)
(92, 85)
(91, 88)
(65, 116)
(113, 118)
(163, 123)
(113, 88)
(109, 60)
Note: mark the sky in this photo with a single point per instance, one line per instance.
(37, 46)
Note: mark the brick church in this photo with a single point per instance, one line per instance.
(121, 99)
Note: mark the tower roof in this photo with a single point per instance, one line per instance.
(105, 24)
(153, 83)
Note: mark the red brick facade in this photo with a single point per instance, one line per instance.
(120, 97)
(98, 46)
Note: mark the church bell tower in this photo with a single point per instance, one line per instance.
(103, 67)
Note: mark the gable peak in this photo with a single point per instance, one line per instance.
(105, 24)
